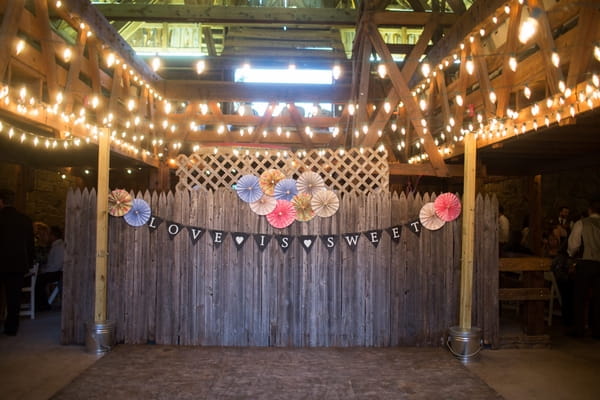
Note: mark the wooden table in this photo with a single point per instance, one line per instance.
(531, 291)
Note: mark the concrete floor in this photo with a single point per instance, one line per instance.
(33, 365)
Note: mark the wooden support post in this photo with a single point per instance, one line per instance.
(468, 232)
(102, 226)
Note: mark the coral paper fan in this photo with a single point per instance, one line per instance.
(269, 179)
(447, 206)
(248, 189)
(139, 213)
(286, 189)
(283, 215)
(264, 205)
(304, 211)
(325, 203)
(310, 182)
(428, 217)
(119, 202)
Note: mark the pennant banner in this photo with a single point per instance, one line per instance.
(307, 241)
(173, 229)
(284, 241)
(239, 238)
(351, 240)
(154, 222)
(195, 233)
(415, 226)
(395, 232)
(262, 241)
(329, 241)
(217, 237)
(374, 237)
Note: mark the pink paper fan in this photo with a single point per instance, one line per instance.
(428, 217)
(447, 206)
(283, 215)
(264, 205)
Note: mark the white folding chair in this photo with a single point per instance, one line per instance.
(29, 308)
(554, 294)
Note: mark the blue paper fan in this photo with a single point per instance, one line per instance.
(139, 213)
(286, 189)
(248, 188)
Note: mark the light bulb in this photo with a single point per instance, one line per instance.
(493, 97)
(527, 92)
(459, 100)
(200, 66)
(512, 63)
(336, 72)
(528, 29)
(155, 64)
(597, 52)
(555, 59)
(470, 66)
(382, 70)
(425, 69)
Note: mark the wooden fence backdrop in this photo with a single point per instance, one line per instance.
(170, 291)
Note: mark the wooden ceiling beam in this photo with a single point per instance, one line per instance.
(48, 50)
(209, 40)
(483, 75)
(414, 113)
(232, 91)
(404, 169)
(510, 49)
(410, 19)
(215, 15)
(8, 32)
(581, 54)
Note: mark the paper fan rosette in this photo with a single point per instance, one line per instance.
(119, 202)
(283, 215)
(429, 218)
(139, 213)
(325, 203)
(302, 204)
(248, 189)
(286, 189)
(310, 182)
(264, 205)
(269, 179)
(447, 206)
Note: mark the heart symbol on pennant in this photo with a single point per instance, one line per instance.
(239, 239)
(307, 242)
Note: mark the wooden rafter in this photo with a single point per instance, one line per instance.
(485, 86)
(208, 39)
(8, 31)
(410, 66)
(581, 55)
(74, 69)
(414, 113)
(48, 50)
(510, 49)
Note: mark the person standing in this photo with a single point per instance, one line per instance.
(586, 232)
(51, 271)
(16, 256)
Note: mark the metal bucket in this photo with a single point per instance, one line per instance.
(464, 343)
(99, 337)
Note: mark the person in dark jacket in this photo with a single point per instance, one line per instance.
(16, 256)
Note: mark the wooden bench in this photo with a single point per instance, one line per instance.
(532, 290)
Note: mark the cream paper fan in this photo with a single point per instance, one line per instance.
(310, 182)
(429, 218)
(325, 203)
(264, 205)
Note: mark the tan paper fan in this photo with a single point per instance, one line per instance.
(302, 204)
(264, 205)
(269, 179)
(310, 182)
(119, 202)
(325, 203)
(429, 218)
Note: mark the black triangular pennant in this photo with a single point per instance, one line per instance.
(284, 241)
(374, 237)
(239, 238)
(262, 240)
(415, 226)
(217, 237)
(154, 222)
(351, 240)
(195, 233)
(307, 241)
(395, 232)
(329, 241)
(173, 229)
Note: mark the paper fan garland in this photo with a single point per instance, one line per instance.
(283, 215)
(429, 218)
(264, 205)
(447, 206)
(119, 202)
(269, 179)
(248, 188)
(325, 203)
(285, 189)
(139, 213)
(302, 204)
(310, 182)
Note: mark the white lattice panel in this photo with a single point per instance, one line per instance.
(353, 171)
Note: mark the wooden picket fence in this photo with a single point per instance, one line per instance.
(170, 291)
